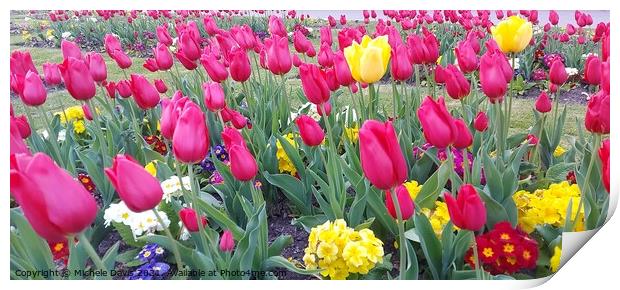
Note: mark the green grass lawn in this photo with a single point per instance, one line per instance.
(522, 116)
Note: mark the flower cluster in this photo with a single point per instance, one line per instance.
(352, 133)
(154, 267)
(456, 154)
(158, 145)
(140, 223)
(548, 206)
(340, 251)
(438, 216)
(548, 59)
(285, 165)
(75, 115)
(504, 249)
(172, 187)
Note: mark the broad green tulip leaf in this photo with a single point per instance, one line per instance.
(279, 244)
(430, 244)
(281, 262)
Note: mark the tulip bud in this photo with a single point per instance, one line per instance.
(124, 88)
(326, 35)
(313, 83)
(401, 67)
(135, 186)
(592, 70)
(437, 123)
(55, 204)
(213, 94)
(457, 85)
(466, 56)
(227, 243)
(300, 42)
(188, 43)
(554, 18)
(215, 69)
(34, 93)
(190, 219)
(51, 74)
(404, 202)
(325, 56)
(240, 68)
(78, 79)
(190, 141)
(543, 103)
(161, 86)
(87, 114)
(481, 122)
(96, 66)
(463, 138)
(145, 94)
(310, 131)
(276, 26)
(467, 211)
(279, 59)
(341, 69)
(242, 164)
(557, 73)
(70, 49)
(327, 107)
(382, 160)
(163, 57)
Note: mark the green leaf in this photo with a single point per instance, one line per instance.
(281, 262)
(279, 244)
(433, 186)
(430, 244)
(127, 235)
(292, 188)
(308, 222)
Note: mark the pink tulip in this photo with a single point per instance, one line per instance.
(466, 56)
(557, 73)
(313, 83)
(70, 49)
(592, 70)
(467, 211)
(493, 73)
(190, 141)
(34, 92)
(401, 66)
(16, 139)
(457, 85)
(188, 44)
(186, 62)
(276, 26)
(404, 202)
(341, 69)
(163, 36)
(161, 86)
(597, 114)
(481, 122)
(135, 186)
(543, 103)
(310, 131)
(242, 164)
(96, 66)
(51, 74)
(300, 42)
(554, 18)
(326, 35)
(144, 93)
(240, 68)
(78, 80)
(214, 96)
(87, 114)
(326, 56)
(382, 160)
(278, 55)
(163, 57)
(215, 69)
(437, 124)
(464, 137)
(227, 243)
(190, 219)
(124, 88)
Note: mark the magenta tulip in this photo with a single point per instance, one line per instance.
(382, 160)
(144, 93)
(437, 123)
(190, 141)
(78, 80)
(310, 131)
(213, 94)
(467, 211)
(139, 189)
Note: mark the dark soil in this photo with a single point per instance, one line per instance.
(280, 218)
(576, 95)
(106, 244)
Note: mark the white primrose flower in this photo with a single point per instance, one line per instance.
(66, 34)
(172, 187)
(571, 71)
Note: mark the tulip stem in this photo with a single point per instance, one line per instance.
(99, 132)
(510, 97)
(499, 142)
(331, 167)
(219, 115)
(479, 274)
(173, 242)
(92, 253)
(465, 166)
(363, 104)
(52, 136)
(537, 156)
(195, 194)
(402, 247)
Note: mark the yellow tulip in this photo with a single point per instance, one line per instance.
(369, 60)
(512, 34)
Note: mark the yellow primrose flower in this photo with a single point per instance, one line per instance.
(559, 151)
(151, 168)
(352, 133)
(78, 127)
(554, 262)
(512, 34)
(369, 60)
(413, 188)
(285, 164)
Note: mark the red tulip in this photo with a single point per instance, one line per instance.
(300, 42)
(592, 70)
(190, 219)
(55, 204)
(404, 202)
(70, 49)
(327, 107)
(466, 56)
(188, 44)
(310, 131)
(457, 85)
(110, 88)
(186, 62)
(603, 153)
(96, 66)
(326, 35)
(78, 79)
(276, 26)
(51, 74)
(161, 86)
(242, 164)
(144, 93)
(240, 68)
(124, 88)
(227, 243)
(382, 160)
(481, 122)
(543, 103)
(437, 123)
(467, 211)
(135, 186)
(33, 93)
(163, 57)
(190, 141)
(87, 114)
(22, 125)
(597, 113)
(554, 18)
(341, 69)
(313, 83)
(493, 72)
(326, 56)
(163, 36)
(214, 96)
(463, 138)
(278, 55)
(170, 111)
(16, 140)
(557, 73)
(215, 69)
(605, 76)
(401, 66)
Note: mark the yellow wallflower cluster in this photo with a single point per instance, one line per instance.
(559, 151)
(340, 251)
(554, 262)
(438, 216)
(352, 133)
(548, 206)
(74, 114)
(285, 165)
(413, 188)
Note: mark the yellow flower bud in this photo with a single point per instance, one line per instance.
(369, 60)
